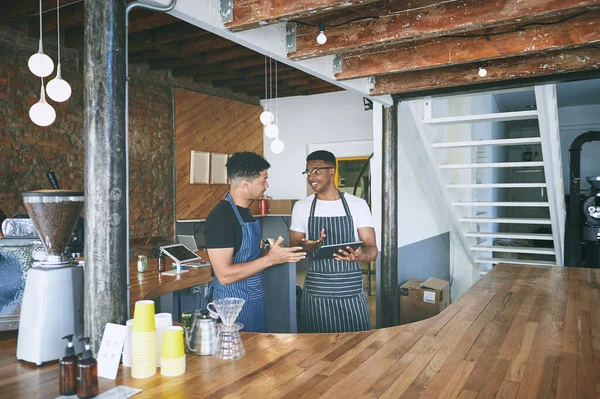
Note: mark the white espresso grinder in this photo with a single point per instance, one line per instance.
(53, 299)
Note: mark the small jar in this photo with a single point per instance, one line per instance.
(161, 263)
(142, 263)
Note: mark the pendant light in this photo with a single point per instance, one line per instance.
(277, 146)
(39, 63)
(272, 130)
(58, 89)
(266, 117)
(42, 113)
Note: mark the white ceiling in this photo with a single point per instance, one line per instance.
(570, 94)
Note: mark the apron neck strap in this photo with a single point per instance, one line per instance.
(313, 206)
(229, 199)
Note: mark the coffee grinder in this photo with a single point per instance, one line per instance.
(53, 299)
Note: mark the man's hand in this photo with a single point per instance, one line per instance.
(350, 255)
(311, 245)
(278, 254)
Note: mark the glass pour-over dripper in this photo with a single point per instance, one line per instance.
(230, 342)
(227, 309)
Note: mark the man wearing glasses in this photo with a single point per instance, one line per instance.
(333, 299)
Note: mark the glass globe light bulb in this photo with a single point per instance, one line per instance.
(321, 39)
(40, 64)
(271, 130)
(42, 113)
(482, 72)
(277, 146)
(267, 117)
(58, 89)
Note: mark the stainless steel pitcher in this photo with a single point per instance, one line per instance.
(201, 336)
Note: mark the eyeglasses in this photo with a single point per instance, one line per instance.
(316, 171)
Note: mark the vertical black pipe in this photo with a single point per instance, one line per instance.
(106, 223)
(389, 242)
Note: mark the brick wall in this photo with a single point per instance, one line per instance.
(27, 151)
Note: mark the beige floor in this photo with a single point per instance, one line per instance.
(371, 303)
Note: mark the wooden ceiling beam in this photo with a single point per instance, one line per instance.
(70, 17)
(242, 78)
(505, 70)
(418, 23)
(200, 68)
(243, 73)
(148, 55)
(581, 30)
(168, 34)
(16, 10)
(250, 14)
(208, 43)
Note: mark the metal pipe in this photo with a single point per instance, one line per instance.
(389, 243)
(128, 9)
(105, 178)
(573, 236)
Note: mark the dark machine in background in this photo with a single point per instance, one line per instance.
(582, 236)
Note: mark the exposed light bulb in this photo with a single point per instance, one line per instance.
(277, 146)
(482, 72)
(267, 117)
(42, 113)
(321, 39)
(271, 130)
(40, 64)
(58, 89)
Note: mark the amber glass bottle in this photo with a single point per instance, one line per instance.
(88, 373)
(68, 369)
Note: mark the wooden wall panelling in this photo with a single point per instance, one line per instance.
(211, 124)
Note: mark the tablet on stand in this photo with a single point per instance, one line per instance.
(180, 254)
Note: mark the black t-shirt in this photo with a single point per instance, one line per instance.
(222, 228)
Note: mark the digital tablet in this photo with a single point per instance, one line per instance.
(180, 253)
(327, 251)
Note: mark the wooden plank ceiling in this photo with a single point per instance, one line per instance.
(431, 46)
(166, 43)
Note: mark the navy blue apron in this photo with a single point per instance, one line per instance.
(333, 299)
(253, 314)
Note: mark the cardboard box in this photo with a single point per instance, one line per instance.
(281, 207)
(421, 299)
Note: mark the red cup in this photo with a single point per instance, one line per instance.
(263, 206)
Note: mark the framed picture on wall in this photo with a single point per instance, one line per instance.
(199, 167)
(218, 170)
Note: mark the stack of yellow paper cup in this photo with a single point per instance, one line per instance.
(143, 340)
(172, 362)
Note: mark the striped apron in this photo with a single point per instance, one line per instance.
(253, 315)
(333, 299)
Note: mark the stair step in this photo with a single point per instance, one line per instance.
(495, 117)
(495, 261)
(498, 185)
(523, 236)
(492, 165)
(477, 143)
(506, 220)
(516, 250)
(510, 204)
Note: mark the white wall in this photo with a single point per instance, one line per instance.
(307, 121)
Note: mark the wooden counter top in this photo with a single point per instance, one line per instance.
(521, 331)
(152, 284)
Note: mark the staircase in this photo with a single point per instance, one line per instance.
(483, 188)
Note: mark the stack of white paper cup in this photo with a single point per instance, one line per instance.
(127, 346)
(162, 322)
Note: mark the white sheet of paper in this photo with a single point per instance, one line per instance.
(119, 392)
(111, 347)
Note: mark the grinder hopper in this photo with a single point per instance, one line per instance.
(54, 214)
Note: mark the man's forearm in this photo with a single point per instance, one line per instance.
(238, 271)
(369, 253)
